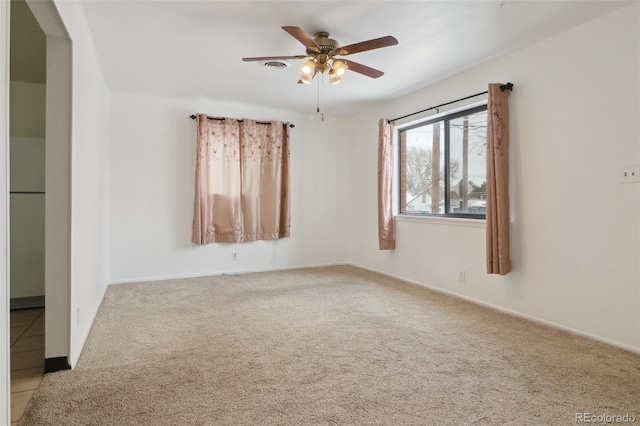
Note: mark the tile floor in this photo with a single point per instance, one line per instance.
(27, 358)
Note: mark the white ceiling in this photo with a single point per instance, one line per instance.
(193, 49)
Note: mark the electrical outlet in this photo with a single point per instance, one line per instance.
(234, 255)
(462, 276)
(78, 317)
(630, 173)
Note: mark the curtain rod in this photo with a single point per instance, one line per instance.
(193, 117)
(503, 87)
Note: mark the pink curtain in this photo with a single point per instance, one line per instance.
(386, 239)
(242, 181)
(498, 218)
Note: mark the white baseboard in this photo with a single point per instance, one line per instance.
(510, 312)
(229, 272)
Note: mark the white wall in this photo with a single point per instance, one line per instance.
(27, 158)
(27, 109)
(89, 157)
(57, 178)
(5, 405)
(58, 200)
(575, 228)
(89, 183)
(152, 169)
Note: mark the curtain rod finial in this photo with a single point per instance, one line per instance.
(508, 86)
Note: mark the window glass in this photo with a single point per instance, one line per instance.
(468, 163)
(443, 165)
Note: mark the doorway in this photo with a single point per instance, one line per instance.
(55, 320)
(27, 135)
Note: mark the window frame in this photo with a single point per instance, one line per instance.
(445, 118)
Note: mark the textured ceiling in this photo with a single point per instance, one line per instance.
(193, 49)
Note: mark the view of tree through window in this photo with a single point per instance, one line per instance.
(443, 165)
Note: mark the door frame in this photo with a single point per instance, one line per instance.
(58, 188)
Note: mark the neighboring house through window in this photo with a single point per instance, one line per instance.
(443, 165)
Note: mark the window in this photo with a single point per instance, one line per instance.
(443, 167)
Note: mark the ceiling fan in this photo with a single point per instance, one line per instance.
(322, 51)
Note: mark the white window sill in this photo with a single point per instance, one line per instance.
(448, 221)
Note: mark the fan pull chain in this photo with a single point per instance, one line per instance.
(320, 82)
(322, 96)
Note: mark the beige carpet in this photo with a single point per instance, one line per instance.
(326, 346)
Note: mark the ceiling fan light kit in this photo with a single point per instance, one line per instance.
(321, 50)
(309, 67)
(305, 79)
(339, 67)
(334, 78)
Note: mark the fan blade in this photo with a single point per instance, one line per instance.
(303, 38)
(271, 58)
(363, 46)
(363, 69)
